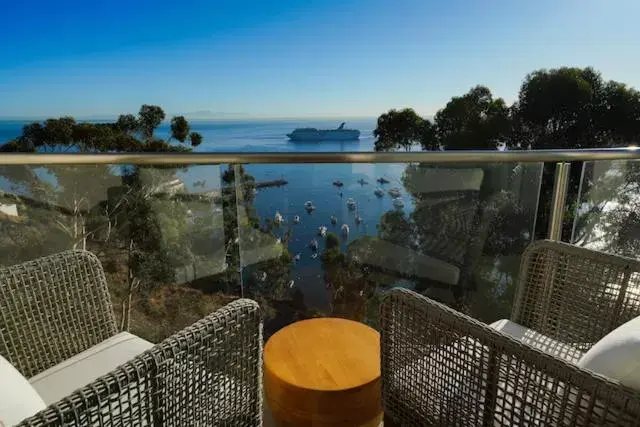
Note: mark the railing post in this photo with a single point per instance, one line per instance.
(239, 189)
(560, 186)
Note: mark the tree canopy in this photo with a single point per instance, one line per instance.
(402, 129)
(473, 121)
(574, 108)
(150, 117)
(127, 134)
(565, 107)
(180, 128)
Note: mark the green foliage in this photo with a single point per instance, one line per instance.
(195, 138)
(149, 118)
(395, 228)
(349, 285)
(127, 123)
(332, 241)
(401, 129)
(473, 121)
(180, 128)
(574, 108)
(66, 135)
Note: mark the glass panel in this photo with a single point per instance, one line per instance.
(330, 239)
(606, 216)
(303, 240)
(160, 234)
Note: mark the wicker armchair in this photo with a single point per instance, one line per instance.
(441, 367)
(55, 307)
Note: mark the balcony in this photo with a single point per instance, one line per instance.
(320, 235)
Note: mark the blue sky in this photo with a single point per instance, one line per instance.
(296, 58)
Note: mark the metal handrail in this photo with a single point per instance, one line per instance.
(434, 157)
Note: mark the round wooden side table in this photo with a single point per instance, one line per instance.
(324, 372)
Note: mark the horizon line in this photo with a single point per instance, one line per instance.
(194, 117)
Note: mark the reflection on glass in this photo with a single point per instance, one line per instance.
(159, 233)
(606, 216)
(330, 239)
(303, 240)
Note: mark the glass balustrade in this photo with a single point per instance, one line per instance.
(304, 240)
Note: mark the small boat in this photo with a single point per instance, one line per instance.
(314, 255)
(351, 204)
(314, 245)
(291, 282)
(334, 220)
(297, 257)
(296, 219)
(383, 180)
(358, 219)
(309, 206)
(345, 229)
(398, 203)
(379, 193)
(394, 192)
(322, 231)
(362, 182)
(278, 218)
(338, 183)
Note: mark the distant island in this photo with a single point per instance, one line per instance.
(213, 115)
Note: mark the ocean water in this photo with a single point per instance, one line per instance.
(306, 182)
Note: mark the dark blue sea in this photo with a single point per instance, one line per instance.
(306, 182)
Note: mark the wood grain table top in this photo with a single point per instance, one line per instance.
(324, 354)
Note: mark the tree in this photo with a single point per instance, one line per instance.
(395, 228)
(556, 109)
(428, 137)
(348, 284)
(180, 128)
(127, 123)
(332, 241)
(79, 187)
(102, 204)
(572, 108)
(575, 108)
(618, 116)
(401, 129)
(473, 121)
(149, 118)
(196, 139)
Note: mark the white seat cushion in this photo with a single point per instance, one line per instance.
(74, 373)
(537, 340)
(18, 399)
(617, 355)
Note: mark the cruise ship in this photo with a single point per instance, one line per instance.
(313, 134)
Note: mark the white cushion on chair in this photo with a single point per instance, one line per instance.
(61, 380)
(617, 355)
(537, 340)
(18, 399)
